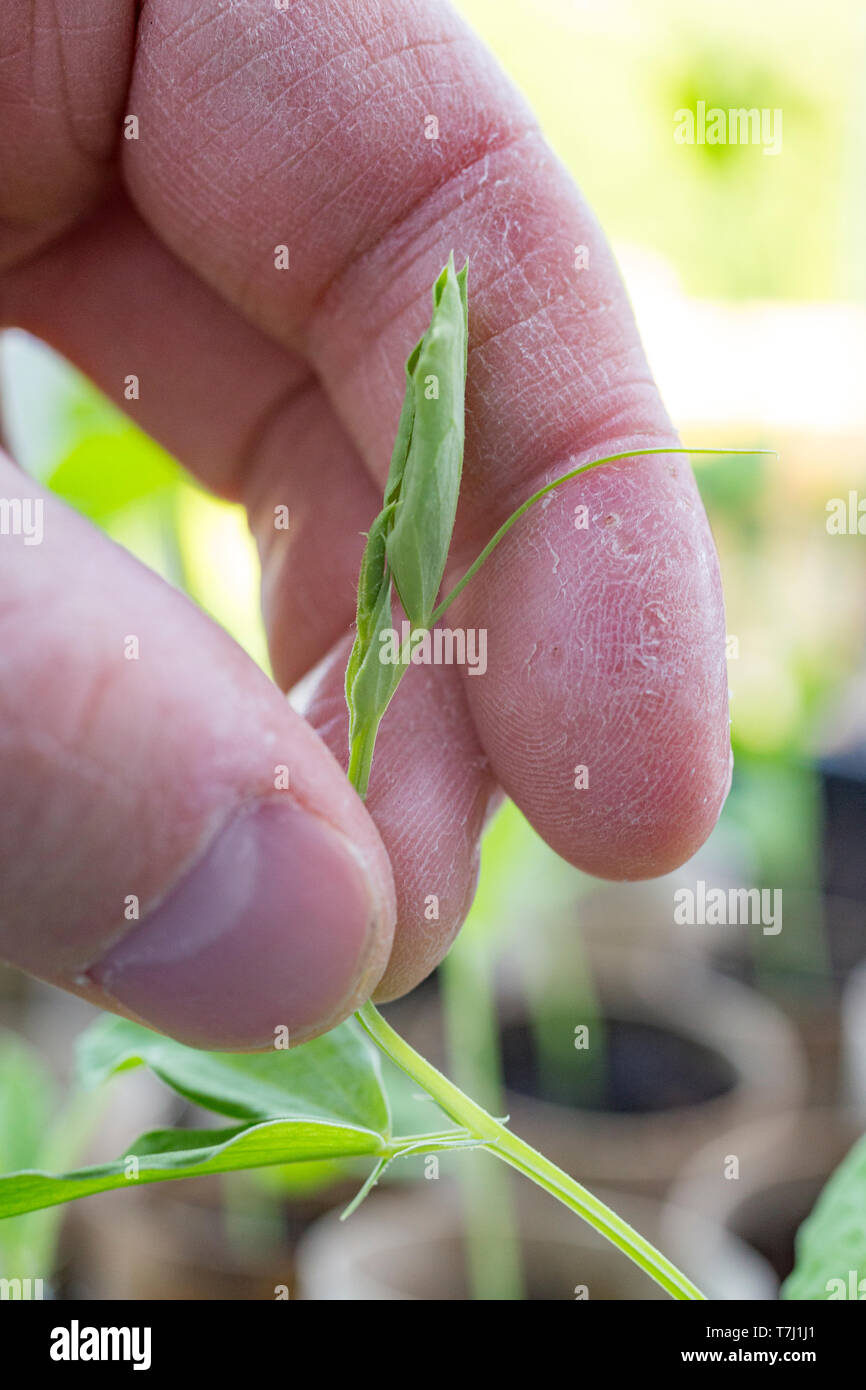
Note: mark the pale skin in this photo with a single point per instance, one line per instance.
(305, 127)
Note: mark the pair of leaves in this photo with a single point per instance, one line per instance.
(335, 1078)
(324, 1099)
(409, 540)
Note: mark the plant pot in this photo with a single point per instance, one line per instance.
(408, 1245)
(843, 783)
(784, 1163)
(689, 1056)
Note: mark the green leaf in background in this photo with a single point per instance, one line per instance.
(104, 472)
(335, 1078)
(164, 1155)
(26, 1103)
(33, 1135)
(831, 1243)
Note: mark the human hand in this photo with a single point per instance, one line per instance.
(154, 779)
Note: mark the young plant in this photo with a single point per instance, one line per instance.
(327, 1098)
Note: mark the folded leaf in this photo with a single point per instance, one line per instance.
(370, 684)
(335, 1078)
(429, 484)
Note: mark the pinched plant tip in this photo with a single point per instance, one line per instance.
(408, 543)
(426, 466)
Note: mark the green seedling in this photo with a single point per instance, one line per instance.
(327, 1099)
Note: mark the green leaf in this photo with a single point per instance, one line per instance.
(323, 1100)
(373, 579)
(166, 1155)
(831, 1243)
(428, 485)
(403, 439)
(335, 1078)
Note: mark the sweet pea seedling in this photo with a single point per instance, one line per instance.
(326, 1099)
(408, 542)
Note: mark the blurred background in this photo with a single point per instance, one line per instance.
(725, 1075)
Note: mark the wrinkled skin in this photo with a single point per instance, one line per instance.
(261, 906)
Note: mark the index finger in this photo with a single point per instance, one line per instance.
(307, 130)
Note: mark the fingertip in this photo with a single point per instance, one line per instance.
(604, 708)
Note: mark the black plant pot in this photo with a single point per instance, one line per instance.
(843, 787)
(685, 1055)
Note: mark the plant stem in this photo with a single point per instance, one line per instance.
(551, 487)
(491, 1229)
(520, 1155)
(361, 758)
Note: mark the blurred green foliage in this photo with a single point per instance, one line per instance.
(606, 79)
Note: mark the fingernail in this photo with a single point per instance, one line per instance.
(276, 926)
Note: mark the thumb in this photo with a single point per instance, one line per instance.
(175, 842)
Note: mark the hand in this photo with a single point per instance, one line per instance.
(148, 785)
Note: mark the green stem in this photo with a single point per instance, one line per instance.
(361, 757)
(550, 487)
(490, 1224)
(520, 1155)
